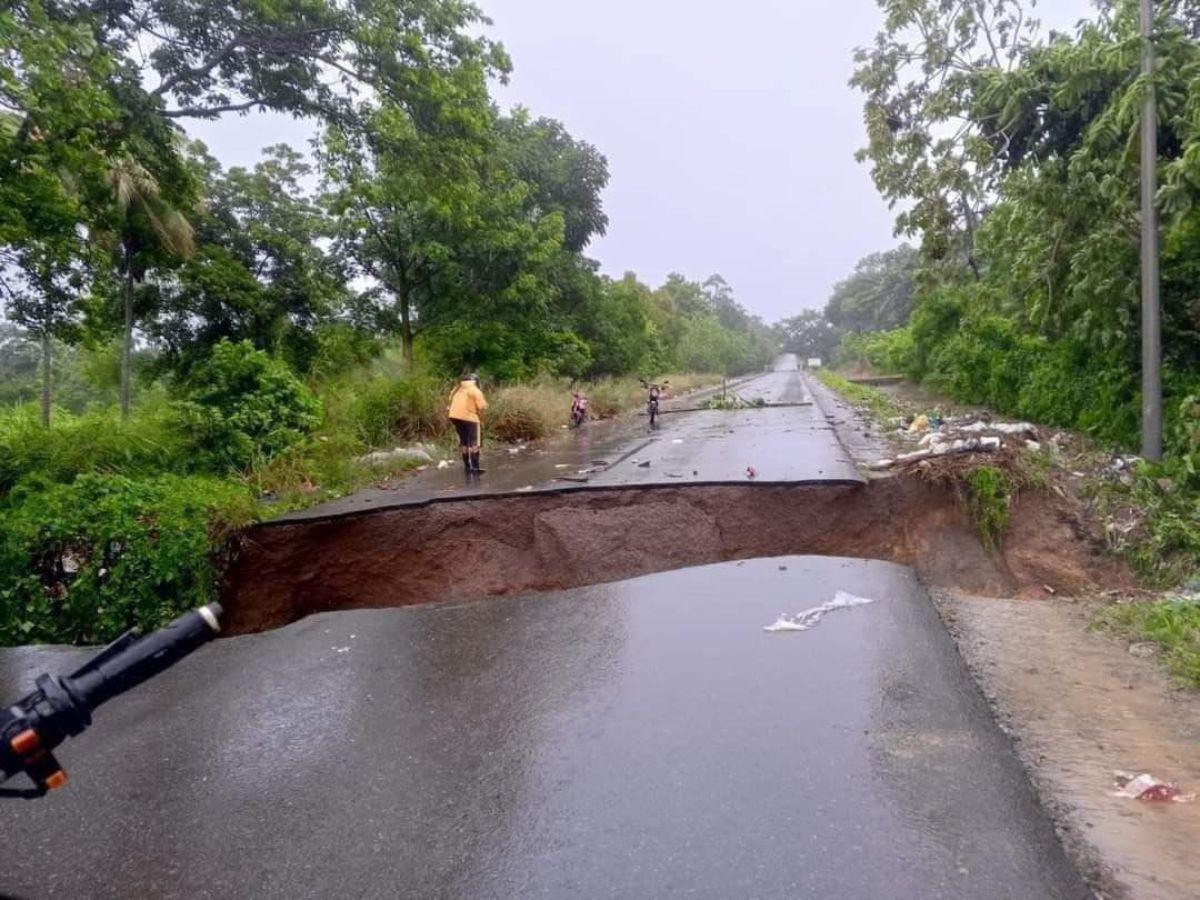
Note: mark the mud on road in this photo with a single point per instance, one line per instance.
(489, 547)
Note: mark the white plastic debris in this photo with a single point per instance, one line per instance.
(443, 463)
(1013, 428)
(415, 453)
(1146, 787)
(803, 621)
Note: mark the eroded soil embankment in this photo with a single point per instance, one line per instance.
(472, 549)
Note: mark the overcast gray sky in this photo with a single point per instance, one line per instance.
(729, 129)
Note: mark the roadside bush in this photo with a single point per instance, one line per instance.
(381, 408)
(82, 562)
(241, 406)
(527, 412)
(884, 351)
(95, 442)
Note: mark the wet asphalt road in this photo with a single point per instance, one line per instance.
(787, 441)
(639, 739)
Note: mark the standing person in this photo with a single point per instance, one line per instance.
(467, 403)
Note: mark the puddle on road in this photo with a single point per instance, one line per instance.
(1047, 677)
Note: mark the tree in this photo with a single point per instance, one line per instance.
(926, 150)
(310, 57)
(809, 334)
(564, 175)
(260, 272)
(43, 289)
(878, 295)
(148, 230)
(53, 111)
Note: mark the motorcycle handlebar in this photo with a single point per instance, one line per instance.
(61, 707)
(119, 668)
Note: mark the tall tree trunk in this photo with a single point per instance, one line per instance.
(406, 332)
(46, 378)
(127, 339)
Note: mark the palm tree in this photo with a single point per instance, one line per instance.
(146, 222)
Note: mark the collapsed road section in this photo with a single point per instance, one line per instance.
(502, 545)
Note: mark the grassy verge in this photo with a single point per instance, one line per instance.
(1174, 625)
(875, 400)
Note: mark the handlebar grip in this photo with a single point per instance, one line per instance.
(130, 663)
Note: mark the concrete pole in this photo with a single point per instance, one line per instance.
(1151, 333)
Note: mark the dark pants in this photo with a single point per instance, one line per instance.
(468, 432)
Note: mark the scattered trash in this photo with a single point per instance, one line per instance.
(939, 446)
(1032, 446)
(1143, 649)
(1011, 428)
(1146, 787)
(644, 464)
(677, 440)
(340, 649)
(514, 449)
(1049, 590)
(415, 453)
(803, 621)
(522, 490)
(919, 425)
(443, 464)
(560, 465)
(751, 472)
(674, 475)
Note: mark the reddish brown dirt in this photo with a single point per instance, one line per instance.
(471, 549)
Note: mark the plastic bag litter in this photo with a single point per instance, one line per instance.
(919, 424)
(1146, 787)
(803, 621)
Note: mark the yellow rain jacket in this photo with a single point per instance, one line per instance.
(467, 402)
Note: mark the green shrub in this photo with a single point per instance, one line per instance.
(241, 406)
(883, 351)
(82, 562)
(95, 442)
(527, 412)
(381, 408)
(989, 496)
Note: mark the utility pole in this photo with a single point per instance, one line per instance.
(1151, 328)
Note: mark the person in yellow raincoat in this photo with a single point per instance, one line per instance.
(467, 404)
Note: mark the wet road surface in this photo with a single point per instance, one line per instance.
(788, 441)
(639, 739)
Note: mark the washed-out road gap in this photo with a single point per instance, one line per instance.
(641, 738)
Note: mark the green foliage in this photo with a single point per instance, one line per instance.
(883, 351)
(241, 405)
(91, 443)
(873, 399)
(809, 335)
(82, 562)
(1172, 624)
(878, 295)
(989, 496)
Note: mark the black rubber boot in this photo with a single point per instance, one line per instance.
(475, 467)
(467, 463)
